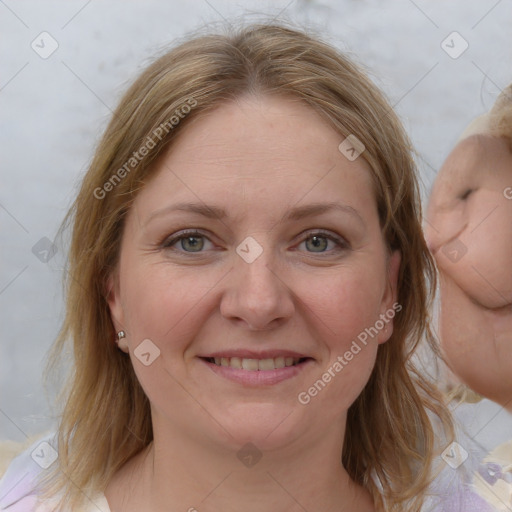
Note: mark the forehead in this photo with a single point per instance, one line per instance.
(258, 127)
(478, 157)
(465, 155)
(260, 144)
(476, 154)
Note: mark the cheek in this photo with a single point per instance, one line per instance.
(158, 298)
(445, 225)
(346, 312)
(162, 305)
(346, 307)
(490, 253)
(469, 342)
(483, 271)
(458, 330)
(167, 306)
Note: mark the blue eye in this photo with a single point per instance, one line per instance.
(320, 242)
(194, 242)
(190, 241)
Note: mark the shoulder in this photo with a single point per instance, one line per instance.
(19, 491)
(18, 485)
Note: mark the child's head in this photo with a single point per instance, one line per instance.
(470, 235)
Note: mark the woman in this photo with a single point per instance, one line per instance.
(249, 234)
(469, 231)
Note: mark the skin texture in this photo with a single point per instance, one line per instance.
(258, 158)
(469, 231)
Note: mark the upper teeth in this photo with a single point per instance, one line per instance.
(256, 364)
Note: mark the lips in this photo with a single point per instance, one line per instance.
(246, 369)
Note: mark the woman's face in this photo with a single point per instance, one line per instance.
(257, 244)
(469, 231)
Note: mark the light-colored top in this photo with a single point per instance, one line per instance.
(493, 482)
(475, 478)
(479, 486)
(31, 504)
(18, 486)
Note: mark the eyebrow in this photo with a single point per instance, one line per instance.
(298, 213)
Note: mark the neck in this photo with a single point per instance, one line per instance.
(197, 475)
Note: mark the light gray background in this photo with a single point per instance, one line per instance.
(54, 110)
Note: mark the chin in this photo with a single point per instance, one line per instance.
(266, 425)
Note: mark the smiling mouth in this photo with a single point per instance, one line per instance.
(268, 364)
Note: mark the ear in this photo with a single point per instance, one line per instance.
(116, 310)
(389, 304)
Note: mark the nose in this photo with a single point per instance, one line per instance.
(257, 295)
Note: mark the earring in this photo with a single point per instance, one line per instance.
(120, 336)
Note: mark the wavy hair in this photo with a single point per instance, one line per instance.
(390, 443)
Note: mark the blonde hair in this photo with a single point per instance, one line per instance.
(500, 116)
(389, 442)
(495, 123)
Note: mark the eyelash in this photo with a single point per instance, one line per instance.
(168, 242)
